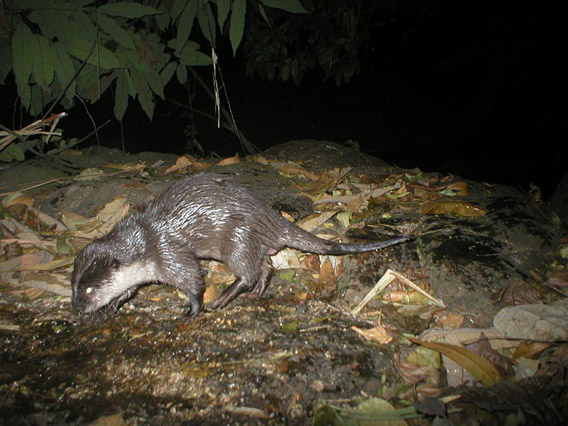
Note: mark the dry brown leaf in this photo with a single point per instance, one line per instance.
(181, 163)
(377, 333)
(20, 230)
(355, 203)
(450, 320)
(293, 169)
(529, 350)
(112, 420)
(412, 373)
(312, 261)
(131, 167)
(218, 273)
(17, 198)
(324, 182)
(26, 262)
(472, 362)
(460, 188)
(211, 293)
(452, 207)
(187, 162)
(300, 294)
(89, 174)
(421, 392)
(261, 160)
(231, 160)
(112, 213)
(50, 222)
(46, 282)
(482, 347)
(29, 293)
(286, 259)
(313, 221)
(376, 193)
(48, 266)
(327, 277)
(287, 216)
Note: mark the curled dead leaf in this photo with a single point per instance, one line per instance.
(460, 188)
(231, 160)
(187, 162)
(481, 369)
(17, 198)
(293, 169)
(452, 207)
(261, 160)
(377, 333)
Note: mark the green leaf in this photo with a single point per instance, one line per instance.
(64, 69)
(23, 61)
(375, 410)
(181, 73)
(49, 58)
(6, 64)
(37, 64)
(262, 11)
(38, 100)
(185, 24)
(97, 56)
(344, 218)
(121, 95)
(43, 62)
(290, 327)
(143, 93)
(237, 23)
(117, 33)
(288, 275)
(292, 6)
(156, 84)
(178, 7)
(325, 415)
(128, 10)
(223, 8)
(191, 56)
(167, 73)
(206, 21)
(12, 152)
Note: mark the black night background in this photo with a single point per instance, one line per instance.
(476, 89)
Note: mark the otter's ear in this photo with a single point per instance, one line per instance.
(115, 263)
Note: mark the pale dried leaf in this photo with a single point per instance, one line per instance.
(377, 333)
(17, 198)
(313, 221)
(261, 160)
(228, 161)
(452, 207)
(181, 163)
(89, 174)
(293, 169)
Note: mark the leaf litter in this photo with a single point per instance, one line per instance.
(48, 245)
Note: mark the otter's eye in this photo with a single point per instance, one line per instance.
(89, 290)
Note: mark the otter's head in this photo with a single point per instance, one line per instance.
(94, 278)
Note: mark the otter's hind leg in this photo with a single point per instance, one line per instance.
(262, 283)
(247, 283)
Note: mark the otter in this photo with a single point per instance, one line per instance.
(204, 216)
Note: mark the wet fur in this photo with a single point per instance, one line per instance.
(205, 216)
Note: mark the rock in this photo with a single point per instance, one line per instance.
(559, 200)
(547, 323)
